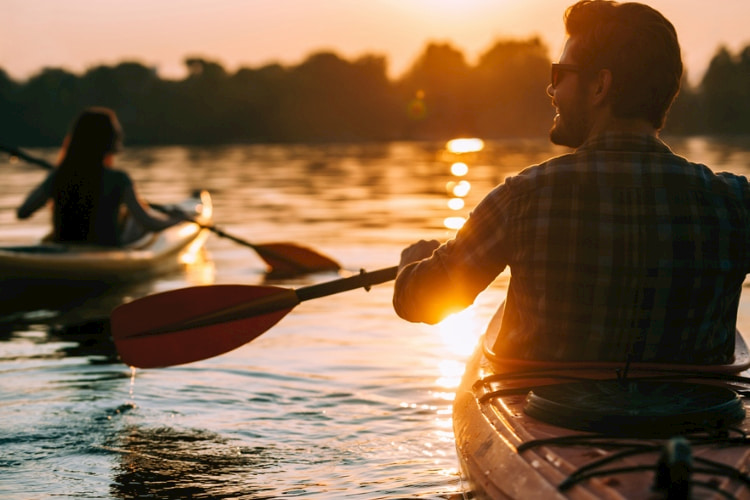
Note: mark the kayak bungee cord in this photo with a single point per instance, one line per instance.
(675, 465)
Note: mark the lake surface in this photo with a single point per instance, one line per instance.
(341, 399)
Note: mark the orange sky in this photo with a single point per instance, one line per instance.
(78, 34)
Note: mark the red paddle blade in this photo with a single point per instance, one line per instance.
(190, 324)
(292, 259)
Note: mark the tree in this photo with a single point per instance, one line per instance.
(201, 111)
(725, 92)
(9, 110)
(49, 101)
(510, 89)
(330, 99)
(434, 93)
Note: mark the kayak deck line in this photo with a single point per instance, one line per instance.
(574, 430)
(665, 469)
(663, 463)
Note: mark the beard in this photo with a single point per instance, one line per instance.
(572, 124)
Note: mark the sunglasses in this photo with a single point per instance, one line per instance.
(558, 69)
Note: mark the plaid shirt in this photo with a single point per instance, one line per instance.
(620, 246)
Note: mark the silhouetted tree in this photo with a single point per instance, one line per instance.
(685, 113)
(10, 111)
(330, 99)
(438, 86)
(49, 101)
(134, 91)
(510, 82)
(725, 90)
(202, 116)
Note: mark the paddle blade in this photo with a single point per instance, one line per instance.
(190, 324)
(286, 259)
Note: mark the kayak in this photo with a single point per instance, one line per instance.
(589, 430)
(152, 254)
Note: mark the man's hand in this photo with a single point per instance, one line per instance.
(417, 251)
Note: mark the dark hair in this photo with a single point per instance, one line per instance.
(78, 181)
(95, 133)
(638, 45)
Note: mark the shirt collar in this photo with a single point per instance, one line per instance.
(622, 141)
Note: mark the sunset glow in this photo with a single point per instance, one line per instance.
(454, 222)
(459, 169)
(460, 331)
(456, 204)
(50, 33)
(461, 188)
(465, 145)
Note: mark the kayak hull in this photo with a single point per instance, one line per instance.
(152, 255)
(506, 453)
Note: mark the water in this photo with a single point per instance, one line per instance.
(341, 399)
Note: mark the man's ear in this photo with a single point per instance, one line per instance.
(602, 86)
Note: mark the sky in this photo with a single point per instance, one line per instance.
(79, 34)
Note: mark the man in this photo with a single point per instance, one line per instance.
(619, 247)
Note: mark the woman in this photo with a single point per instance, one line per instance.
(90, 199)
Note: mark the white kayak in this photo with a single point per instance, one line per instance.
(151, 255)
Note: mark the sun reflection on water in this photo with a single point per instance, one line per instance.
(454, 222)
(458, 152)
(465, 145)
(459, 333)
(456, 203)
(459, 169)
(461, 188)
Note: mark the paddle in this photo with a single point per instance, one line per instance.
(26, 157)
(283, 259)
(189, 324)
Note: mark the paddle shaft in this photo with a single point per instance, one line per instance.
(216, 230)
(361, 280)
(220, 232)
(26, 157)
(283, 299)
(263, 250)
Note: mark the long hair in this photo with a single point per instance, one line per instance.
(77, 191)
(638, 45)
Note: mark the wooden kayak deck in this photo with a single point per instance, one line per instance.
(506, 453)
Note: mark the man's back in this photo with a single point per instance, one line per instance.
(623, 246)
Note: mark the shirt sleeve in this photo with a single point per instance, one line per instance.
(37, 198)
(449, 281)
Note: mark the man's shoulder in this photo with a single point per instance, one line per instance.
(540, 171)
(736, 185)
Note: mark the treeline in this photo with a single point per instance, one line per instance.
(327, 98)
(721, 103)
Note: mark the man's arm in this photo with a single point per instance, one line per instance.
(437, 280)
(430, 289)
